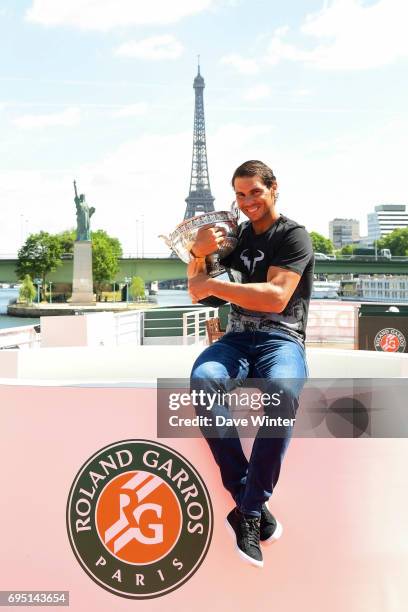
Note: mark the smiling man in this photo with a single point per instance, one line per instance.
(264, 340)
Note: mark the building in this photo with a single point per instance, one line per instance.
(385, 219)
(344, 231)
(381, 288)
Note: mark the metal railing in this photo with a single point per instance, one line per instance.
(328, 322)
(195, 320)
(25, 336)
(334, 322)
(176, 325)
(129, 327)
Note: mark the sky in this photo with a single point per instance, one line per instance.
(101, 91)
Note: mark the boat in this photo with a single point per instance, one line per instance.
(325, 290)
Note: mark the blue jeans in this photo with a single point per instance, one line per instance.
(278, 363)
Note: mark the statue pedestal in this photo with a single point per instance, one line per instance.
(82, 285)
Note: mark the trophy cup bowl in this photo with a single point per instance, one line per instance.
(182, 239)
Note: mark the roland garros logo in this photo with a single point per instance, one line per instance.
(139, 519)
(390, 340)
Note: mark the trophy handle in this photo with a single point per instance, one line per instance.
(166, 240)
(235, 210)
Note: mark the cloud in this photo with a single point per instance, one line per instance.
(350, 173)
(104, 15)
(131, 110)
(137, 178)
(240, 64)
(302, 92)
(349, 36)
(141, 178)
(257, 92)
(68, 118)
(152, 48)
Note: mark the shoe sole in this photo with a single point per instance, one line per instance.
(244, 557)
(276, 534)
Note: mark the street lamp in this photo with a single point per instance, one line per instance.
(127, 281)
(38, 282)
(50, 284)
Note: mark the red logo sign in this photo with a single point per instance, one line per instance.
(390, 340)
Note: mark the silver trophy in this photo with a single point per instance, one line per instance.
(182, 239)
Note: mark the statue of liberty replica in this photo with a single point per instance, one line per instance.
(82, 284)
(83, 215)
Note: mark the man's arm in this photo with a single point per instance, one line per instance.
(271, 296)
(283, 276)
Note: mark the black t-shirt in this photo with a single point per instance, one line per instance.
(285, 244)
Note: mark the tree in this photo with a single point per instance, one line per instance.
(40, 255)
(347, 249)
(27, 290)
(105, 253)
(396, 241)
(137, 287)
(321, 244)
(67, 239)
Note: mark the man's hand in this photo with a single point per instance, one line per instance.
(207, 241)
(199, 283)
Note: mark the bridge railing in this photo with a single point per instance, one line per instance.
(147, 255)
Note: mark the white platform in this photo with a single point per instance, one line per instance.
(147, 363)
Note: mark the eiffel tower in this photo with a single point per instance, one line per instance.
(200, 198)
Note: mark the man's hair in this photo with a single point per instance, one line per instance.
(255, 167)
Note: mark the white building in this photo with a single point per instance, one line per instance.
(385, 219)
(344, 231)
(383, 288)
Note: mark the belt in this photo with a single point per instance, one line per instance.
(245, 323)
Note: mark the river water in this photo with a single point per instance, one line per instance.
(164, 298)
(7, 296)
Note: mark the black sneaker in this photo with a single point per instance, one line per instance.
(270, 529)
(245, 530)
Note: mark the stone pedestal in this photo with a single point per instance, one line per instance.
(82, 285)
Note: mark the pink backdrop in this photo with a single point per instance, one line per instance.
(343, 504)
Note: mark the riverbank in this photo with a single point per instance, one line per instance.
(166, 298)
(51, 310)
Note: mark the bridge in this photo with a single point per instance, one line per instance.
(168, 268)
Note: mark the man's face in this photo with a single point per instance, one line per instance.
(254, 198)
